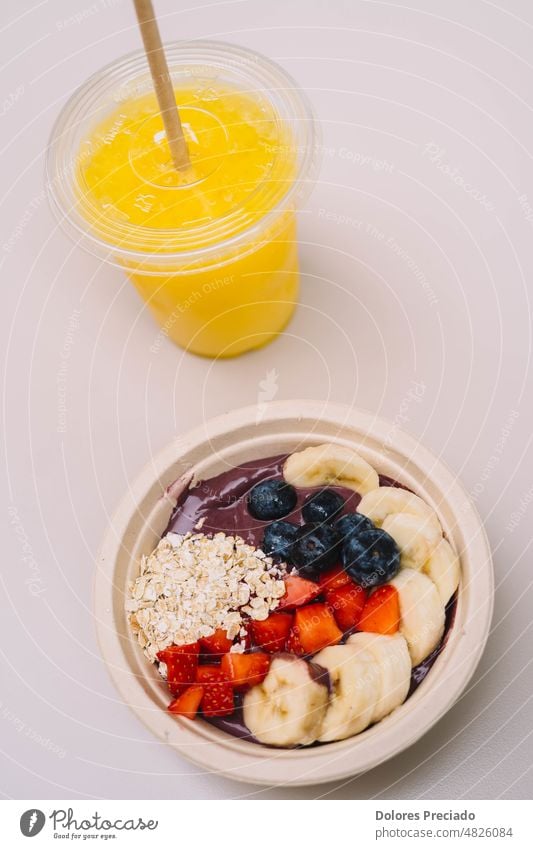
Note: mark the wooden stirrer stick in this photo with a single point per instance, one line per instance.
(162, 83)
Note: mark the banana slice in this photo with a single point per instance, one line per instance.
(330, 464)
(417, 537)
(421, 613)
(444, 570)
(289, 706)
(377, 505)
(391, 656)
(355, 682)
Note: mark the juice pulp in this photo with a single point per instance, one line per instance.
(212, 292)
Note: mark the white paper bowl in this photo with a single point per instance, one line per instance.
(253, 433)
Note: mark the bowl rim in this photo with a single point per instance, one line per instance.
(221, 753)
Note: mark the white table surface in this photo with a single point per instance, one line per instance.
(416, 253)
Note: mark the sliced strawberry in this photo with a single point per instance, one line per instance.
(381, 613)
(217, 699)
(333, 579)
(346, 603)
(271, 633)
(316, 627)
(216, 643)
(188, 703)
(182, 663)
(293, 644)
(207, 673)
(245, 670)
(299, 592)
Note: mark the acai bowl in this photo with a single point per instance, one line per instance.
(293, 597)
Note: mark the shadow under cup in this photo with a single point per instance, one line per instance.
(218, 288)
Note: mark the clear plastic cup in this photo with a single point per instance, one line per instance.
(220, 287)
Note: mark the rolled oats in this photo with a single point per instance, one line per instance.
(191, 585)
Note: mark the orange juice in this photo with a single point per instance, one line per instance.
(211, 250)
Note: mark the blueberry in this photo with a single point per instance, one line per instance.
(370, 557)
(352, 523)
(316, 548)
(278, 539)
(271, 499)
(323, 506)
